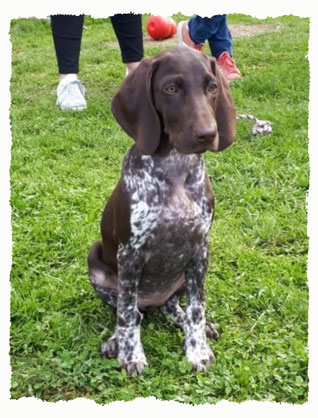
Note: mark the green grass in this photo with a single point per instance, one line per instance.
(64, 167)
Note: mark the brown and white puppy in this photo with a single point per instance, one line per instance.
(154, 247)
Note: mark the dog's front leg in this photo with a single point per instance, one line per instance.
(197, 350)
(130, 351)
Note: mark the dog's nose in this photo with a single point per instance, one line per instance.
(205, 133)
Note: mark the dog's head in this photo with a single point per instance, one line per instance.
(182, 93)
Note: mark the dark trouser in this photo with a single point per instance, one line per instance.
(215, 30)
(67, 35)
(128, 29)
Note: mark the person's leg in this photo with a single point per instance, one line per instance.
(67, 35)
(201, 29)
(221, 46)
(214, 29)
(128, 29)
(219, 36)
(195, 39)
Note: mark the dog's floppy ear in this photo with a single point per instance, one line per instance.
(134, 110)
(225, 110)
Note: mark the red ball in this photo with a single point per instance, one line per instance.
(173, 27)
(158, 27)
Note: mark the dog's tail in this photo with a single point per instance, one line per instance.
(102, 278)
(95, 257)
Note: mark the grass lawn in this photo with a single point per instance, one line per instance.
(64, 167)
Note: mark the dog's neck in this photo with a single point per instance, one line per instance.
(165, 146)
(167, 164)
(174, 161)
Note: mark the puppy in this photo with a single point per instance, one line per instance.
(176, 106)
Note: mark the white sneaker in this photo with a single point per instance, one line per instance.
(71, 93)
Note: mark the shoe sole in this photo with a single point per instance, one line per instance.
(75, 109)
(233, 77)
(179, 35)
(82, 107)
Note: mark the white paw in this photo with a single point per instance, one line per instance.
(199, 355)
(135, 367)
(132, 359)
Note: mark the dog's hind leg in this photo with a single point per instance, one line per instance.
(173, 310)
(109, 348)
(101, 277)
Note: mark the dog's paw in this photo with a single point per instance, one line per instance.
(211, 331)
(135, 367)
(199, 355)
(109, 348)
(132, 358)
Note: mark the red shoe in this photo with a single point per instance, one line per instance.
(228, 66)
(184, 37)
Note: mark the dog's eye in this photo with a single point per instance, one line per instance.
(171, 89)
(212, 87)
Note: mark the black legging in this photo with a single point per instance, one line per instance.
(67, 35)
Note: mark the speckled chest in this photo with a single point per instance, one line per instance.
(170, 210)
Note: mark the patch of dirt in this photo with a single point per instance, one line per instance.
(237, 31)
(240, 31)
